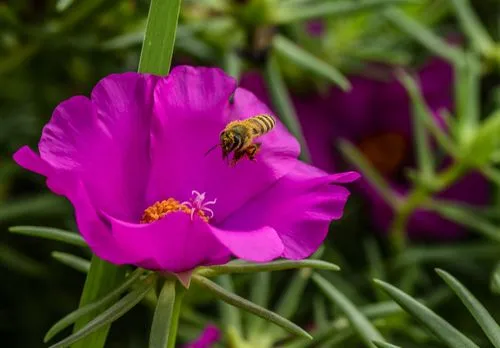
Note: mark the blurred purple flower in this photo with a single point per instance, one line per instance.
(376, 116)
(315, 27)
(381, 126)
(207, 338)
(131, 159)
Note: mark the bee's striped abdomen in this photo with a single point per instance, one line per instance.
(261, 124)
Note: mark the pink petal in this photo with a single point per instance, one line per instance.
(208, 337)
(105, 141)
(90, 225)
(173, 243)
(300, 209)
(259, 245)
(192, 106)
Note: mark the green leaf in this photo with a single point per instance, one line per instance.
(158, 336)
(446, 253)
(123, 41)
(423, 35)
(231, 318)
(309, 62)
(484, 143)
(102, 278)
(478, 35)
(301, 12)
(379, 344)
(283, 104)
(41, 205)
(158, 46)
(63, 5)
(341, 325)
(50, 233)
(495, 280)
(434, 323)
(17, 261)
(248, 306)
(366, 331)
(73, 261)
(232, 64)
(481, 314)
(376, 264)
(355, 157)
(293, 295)
(93, 307)
(107, 317)
(460, 214)
(166, 317)
(75, 15)
(238, 266)
(320, 315)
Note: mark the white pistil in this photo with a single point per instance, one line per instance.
(198, 204)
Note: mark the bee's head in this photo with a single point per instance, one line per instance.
(229, 141)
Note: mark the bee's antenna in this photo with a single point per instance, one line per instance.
(211, 149)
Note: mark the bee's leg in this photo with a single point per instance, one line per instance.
(252, 150)
(236, 157)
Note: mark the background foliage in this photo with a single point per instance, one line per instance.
(51, 50)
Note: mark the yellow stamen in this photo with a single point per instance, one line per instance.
(160, 209)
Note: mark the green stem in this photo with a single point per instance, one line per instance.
(397, 231)
(180, 291)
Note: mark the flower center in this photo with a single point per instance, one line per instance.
(196, 205)
(385, 151)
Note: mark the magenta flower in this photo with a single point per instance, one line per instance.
(131, 159)
(210, 335)
(376, 116)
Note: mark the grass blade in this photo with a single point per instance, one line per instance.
(379, 344)
(423, 35)
(73, 261)
(366, 331)
(280, 265)
(330, 9)
(437, 325)
(495, 280)
(41, 205)
(309, 62)
(481, 314)
(248, 306)
(478, 35)
(231, 318)
(17, 261)
(50, 233)
(454, 212)
(107, 317)
(93, 307)
(166, 317)
(292, 296)
(158, 46)
(283, 104)
(158, 336)
(260, 295)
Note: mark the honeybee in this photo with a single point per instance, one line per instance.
(238, 137)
